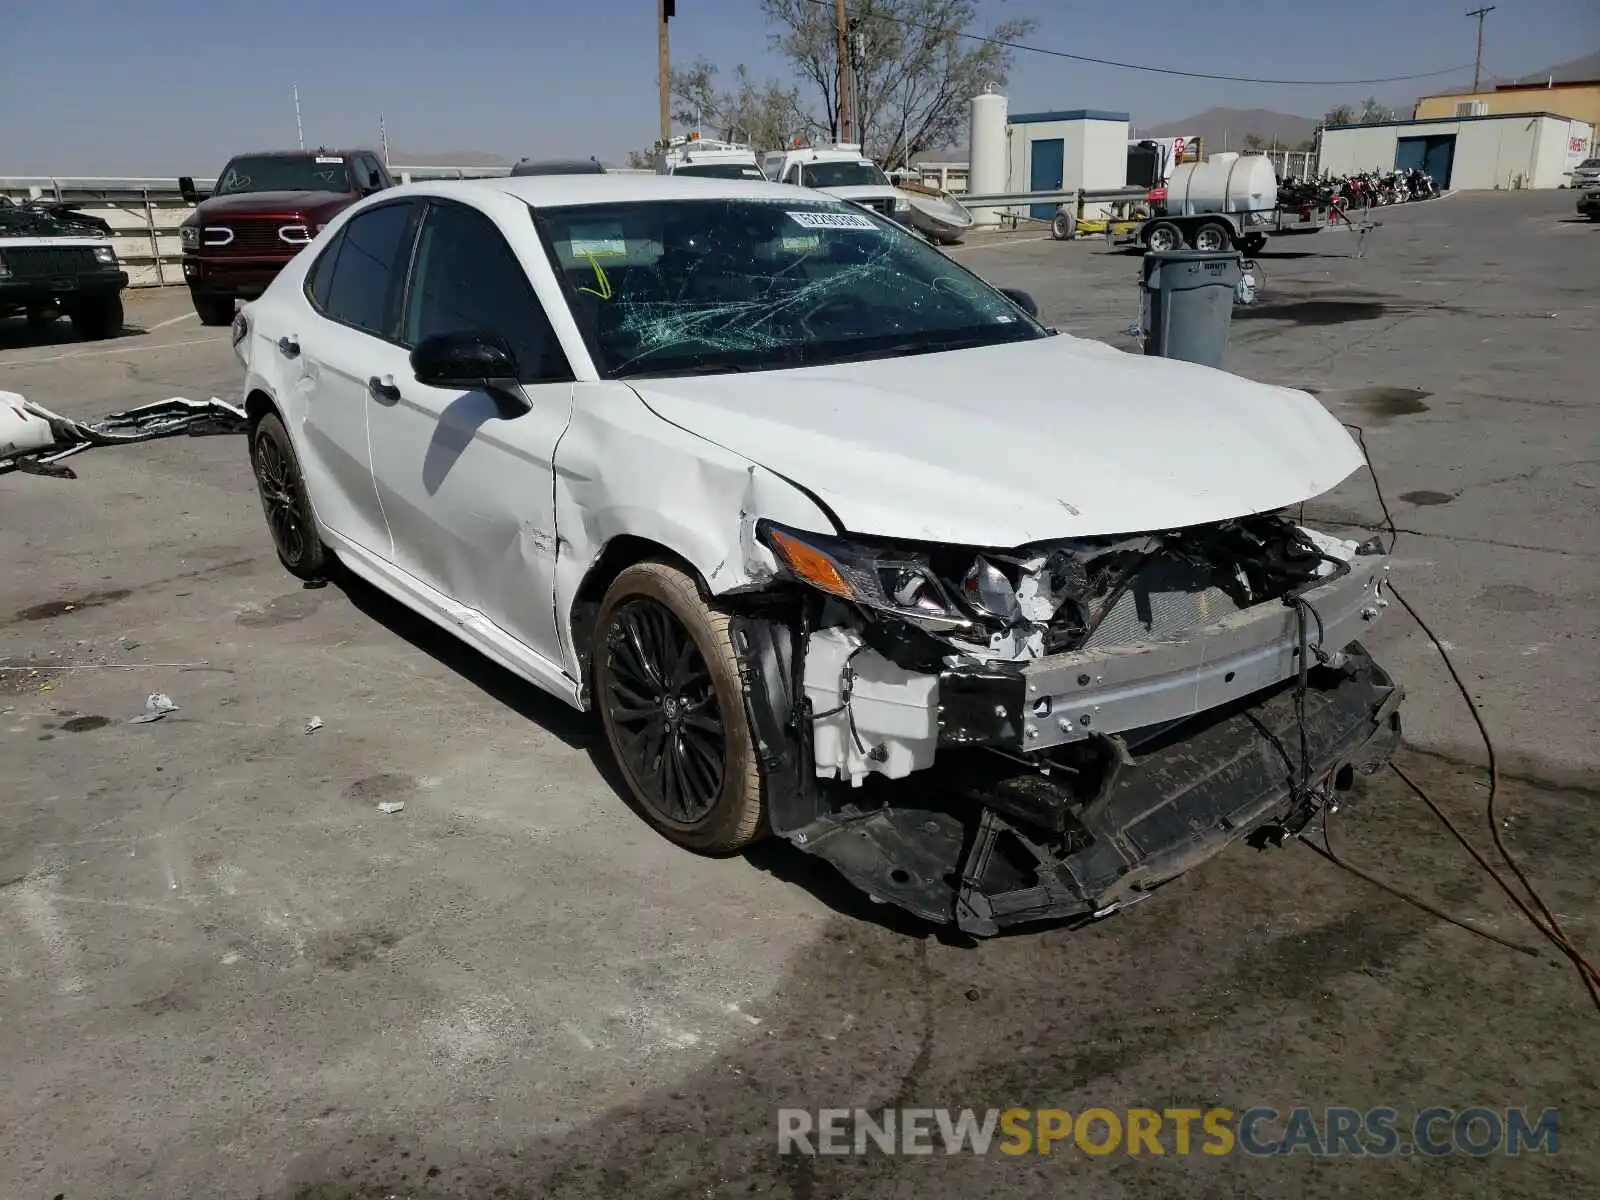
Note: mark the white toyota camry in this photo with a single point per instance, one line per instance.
(793, 500)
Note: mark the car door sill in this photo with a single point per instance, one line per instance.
(468, 624)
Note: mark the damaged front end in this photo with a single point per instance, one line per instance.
(1105, 712)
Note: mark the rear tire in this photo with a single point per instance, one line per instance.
(1213, 236)
(1163, 236)
(96, 318)
(1064, 226)
(284, 501)
(666, 682)
(213, 310)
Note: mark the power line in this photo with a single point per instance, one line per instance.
(1127, 66)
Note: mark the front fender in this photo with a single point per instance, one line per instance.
(623, 471)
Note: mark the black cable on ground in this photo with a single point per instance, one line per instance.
(1545, 921)
(1326, 851)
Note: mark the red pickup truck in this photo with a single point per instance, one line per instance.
(264, 208)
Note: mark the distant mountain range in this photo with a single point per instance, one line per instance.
(1226, 128)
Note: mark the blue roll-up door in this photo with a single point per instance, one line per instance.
(1045, 173)
(1434, 154)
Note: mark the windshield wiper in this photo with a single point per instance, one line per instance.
(907, 349)
(699, 368)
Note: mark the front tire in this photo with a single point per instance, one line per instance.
(284, 501)
(95, 318)
(667, 686)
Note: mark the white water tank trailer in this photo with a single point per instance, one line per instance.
(1224, 183)
(989, 158)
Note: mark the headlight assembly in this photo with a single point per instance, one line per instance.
(189, 237)
(882, 578)
(105, 256)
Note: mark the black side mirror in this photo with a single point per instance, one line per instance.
(187, 190)
(373, 183)
(1022, 300)
(467, 360)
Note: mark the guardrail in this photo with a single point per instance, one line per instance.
(144, 213)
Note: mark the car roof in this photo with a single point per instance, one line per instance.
(321, 150)
(555, 191)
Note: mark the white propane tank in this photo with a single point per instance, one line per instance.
(1224, 183)
(989, 158)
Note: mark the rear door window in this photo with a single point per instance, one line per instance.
(361, 290)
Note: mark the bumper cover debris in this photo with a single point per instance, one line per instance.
(34, 440)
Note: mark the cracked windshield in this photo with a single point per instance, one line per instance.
(746, 285)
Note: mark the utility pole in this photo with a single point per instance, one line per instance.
(1477, 66)
(666, 10)
(383, 139)
(841, 33)
(299, 129)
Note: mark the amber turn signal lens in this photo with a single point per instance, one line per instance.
(815, 567)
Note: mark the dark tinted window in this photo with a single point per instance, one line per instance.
(369, 247)
(284, 173)
(320, 278)
(467, 278)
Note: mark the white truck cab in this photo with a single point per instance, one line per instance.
(709, 158)
(840, 170)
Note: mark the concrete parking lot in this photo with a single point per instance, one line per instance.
(224, 973)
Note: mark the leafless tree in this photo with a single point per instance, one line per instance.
(1339, 114)
(914, 69)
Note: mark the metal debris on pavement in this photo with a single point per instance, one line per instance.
(392, 806)
(314, 724)
(156, 706)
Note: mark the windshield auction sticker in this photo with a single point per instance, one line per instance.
(831, 220)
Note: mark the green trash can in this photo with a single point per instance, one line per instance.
(1187, 301)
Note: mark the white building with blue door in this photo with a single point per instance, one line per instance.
(1513, 150)
(1075, 148)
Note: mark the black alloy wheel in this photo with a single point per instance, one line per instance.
(660, 699)
(667, 683)
(284, 500)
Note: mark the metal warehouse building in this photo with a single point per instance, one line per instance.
(1510, 150)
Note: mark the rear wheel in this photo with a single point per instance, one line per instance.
(1213, 235)
(667, 686)
(284, 500)
(213, 310)
(1163, 236)
(1063, 225)
(97, 317)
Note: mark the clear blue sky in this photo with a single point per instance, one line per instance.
(174, 86)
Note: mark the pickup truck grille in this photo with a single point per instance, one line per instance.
(886, 207)
(34, 262)
(251, 236)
